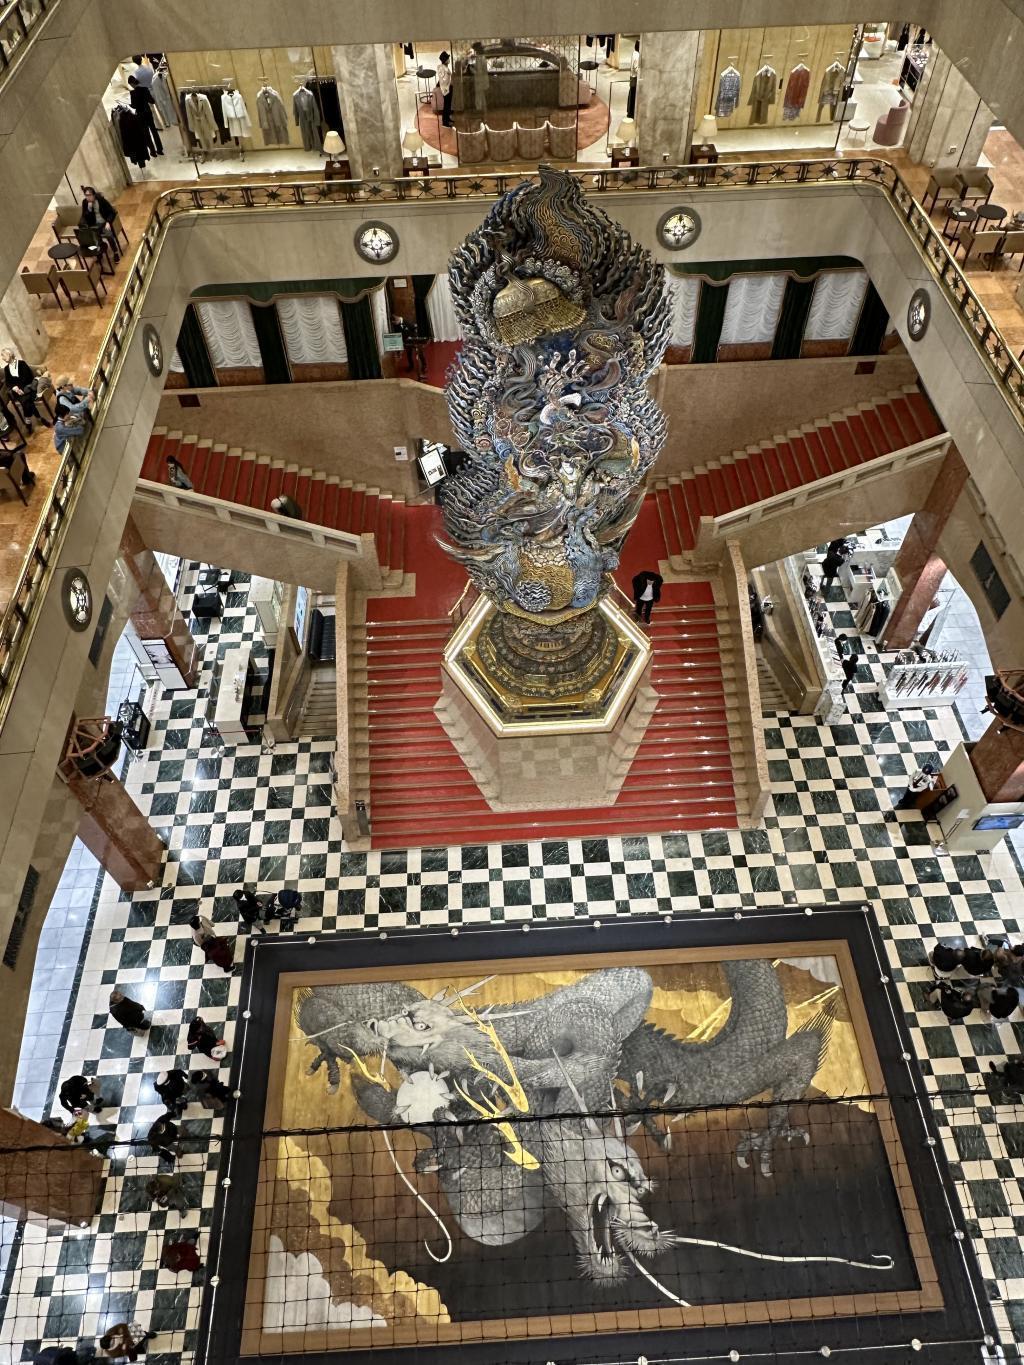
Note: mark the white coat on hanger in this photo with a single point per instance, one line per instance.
(236, 116)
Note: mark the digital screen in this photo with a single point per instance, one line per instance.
(299, 619)
(999, 822)
(432, 462)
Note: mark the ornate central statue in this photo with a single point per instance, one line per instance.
(564, 319)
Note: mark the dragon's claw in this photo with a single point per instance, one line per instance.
(763, 1142)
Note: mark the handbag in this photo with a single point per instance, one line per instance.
(437, 100)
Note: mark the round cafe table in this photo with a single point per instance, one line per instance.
(63, 252)
(991, 214)
(958, 214)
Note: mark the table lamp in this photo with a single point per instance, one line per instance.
(412, 144)
(625, 134)
(334, 147)
(707, 130)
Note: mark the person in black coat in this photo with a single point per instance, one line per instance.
(128, 1012)
(171, 1086)
(209, 1091)
(249, 908)
(20, 378)
(163, 1137)
(646, 591)
(144, 105)
(97, 210)
(78, 1093)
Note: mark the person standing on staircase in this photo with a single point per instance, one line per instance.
(285, 506)
(646, 591)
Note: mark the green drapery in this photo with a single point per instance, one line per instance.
(193, 354)
(708, 328)
(272, 352)
(873, 325)
(801, 267)
(360, 340)
(421, 287)
(265, 292)
(789, 331)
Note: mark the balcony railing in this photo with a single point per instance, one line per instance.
(16, 628)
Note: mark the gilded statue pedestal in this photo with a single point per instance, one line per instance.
(529, 748)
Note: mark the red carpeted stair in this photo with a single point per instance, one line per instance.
(241, 476)
(788, 462)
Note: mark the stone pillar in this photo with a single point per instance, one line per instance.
(42, 1173)
(21, 324)
(97, 162)
(919, 568)
(155, 614)
(116, 832)
(369, 108)
(664, 96)
(998, 761)
(946, 113)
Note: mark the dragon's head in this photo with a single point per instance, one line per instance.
(431, 1030)
(601, 1183)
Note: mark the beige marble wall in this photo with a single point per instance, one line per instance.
(665, 96)
(97, 161)
(21, 324)
(369, 108)
(948, 122)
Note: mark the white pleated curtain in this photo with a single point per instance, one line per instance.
(312, 330)
(835, 305)
(381, 318)
(230, 335)
(752, 309)
(176, 366)
(683, 298)
(444, 325)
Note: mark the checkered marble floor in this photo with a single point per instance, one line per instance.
(830, 838)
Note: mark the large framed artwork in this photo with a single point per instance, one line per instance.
(682, 1137)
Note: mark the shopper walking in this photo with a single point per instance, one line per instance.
(219, 951)
(646, 591)
(849, 662)
(956, 1003)
(163, 1138)
(172, 1087)
(201, 1038)
(923, 780)
(180, 1253)
(250, 910)
(167, 1192)
(128, 1012)
(285, 506)
(444, 85)
(1011, 1074)
(79, 1093)
(208, 1090)
(176, 475)
(125, 1341)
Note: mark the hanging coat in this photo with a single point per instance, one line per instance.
(306, 112)
(762, 94)
(831, 88)
(236, 116)
(133, 134)
(796, 92)
(164, 99)
(270, 112)
(199, 119)
(728, 92)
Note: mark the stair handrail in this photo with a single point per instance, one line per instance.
(458, 603)
(22, 610)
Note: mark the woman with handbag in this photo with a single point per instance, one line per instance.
(444, 85)
(20, 378)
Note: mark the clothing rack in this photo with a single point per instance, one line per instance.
(225, 142)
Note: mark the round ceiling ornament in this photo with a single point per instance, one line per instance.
(377, 242)
(76, 598)
(919, 313)
(678, 228)
(153, 350)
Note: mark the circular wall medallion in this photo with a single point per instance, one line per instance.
(678, 228)
(376, 242)
(919, 313)
(153, 350)
(76, 596)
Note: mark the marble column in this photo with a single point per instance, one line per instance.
(665, 93)
(116, 832)
(948, 122)
(998, 761)
(42, 1174)
(21, 324)
(154, 612)
(919, 568)
(97, 161)
(369, 108)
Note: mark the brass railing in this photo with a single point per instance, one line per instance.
(19, 617)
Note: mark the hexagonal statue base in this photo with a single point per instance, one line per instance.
(527, 753)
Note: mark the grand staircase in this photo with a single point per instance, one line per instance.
(684, 775)
(800, 457)
(242, 476)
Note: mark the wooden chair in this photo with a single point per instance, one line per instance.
(12, 469)
(66, 219)
(1013, 245)
(117, 228)
(975, 185)
(76, 281)
(42, 282)
(987, 243)
(942, 182)
(96, 245)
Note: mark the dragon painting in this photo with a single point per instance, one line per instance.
(524, 1107)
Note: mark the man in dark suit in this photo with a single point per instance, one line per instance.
(646, 591)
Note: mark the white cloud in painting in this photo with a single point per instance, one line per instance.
(296, 1294)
